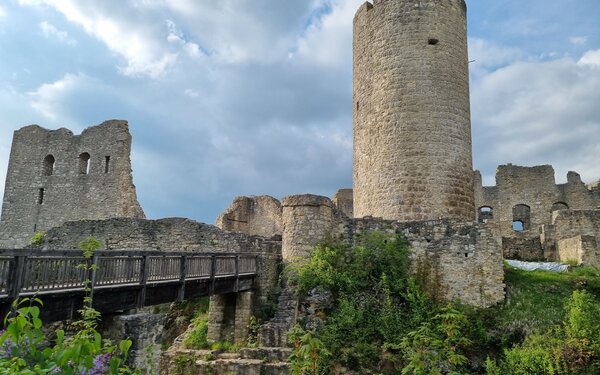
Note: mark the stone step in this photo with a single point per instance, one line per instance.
(267, 354)
(241, 367)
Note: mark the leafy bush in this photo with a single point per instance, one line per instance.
(27, 350)
(197, 338)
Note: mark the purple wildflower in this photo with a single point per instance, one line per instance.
(6, 349)
(100, 365)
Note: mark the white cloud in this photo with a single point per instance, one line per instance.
(2, 11)
(539, 113)
(136, 41)
(591, 58)
(48, 99)
(328, 42)
(50, 31)
(578, 40)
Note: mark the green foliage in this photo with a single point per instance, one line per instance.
(37, 238)
(376, 303)
(382, 321)
(253, 330)
(438, 345)
(89, 245)
(572, 347)
(26, 349)
(197, 338)
(309, 353)
(343, 269)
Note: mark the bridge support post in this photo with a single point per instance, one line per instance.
(243, 312)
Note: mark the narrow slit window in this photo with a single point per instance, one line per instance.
(41, 196)
(106, 164)
(84, 163)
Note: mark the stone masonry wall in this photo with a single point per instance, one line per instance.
(307, 219)
(259, 216)
(534, 187)
(411, 112)
(459, 259)
(581, 249)
(55, 176)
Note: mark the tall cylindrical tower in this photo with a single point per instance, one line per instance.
(412, 126)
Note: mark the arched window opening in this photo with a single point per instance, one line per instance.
(485, 213)
(559, 206)
(518, 226)
(49, 162)
(521, 214)
(84, 163)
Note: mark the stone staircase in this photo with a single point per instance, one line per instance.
(248, 361)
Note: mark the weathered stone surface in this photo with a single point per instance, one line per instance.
(535, 188)
(579, 249)
(522, 248)
(259, 216)
(577, 235)
(306, 220)
(343, 200)
(412, 127)
(256, 361)
(145, 330)
(55, 176)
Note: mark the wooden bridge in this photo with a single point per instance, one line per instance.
(118, 280)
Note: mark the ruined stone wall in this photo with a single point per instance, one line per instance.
(580, 249)
(307, 219)
(459, 259)
(343, 201)
(259, 216)
(55, 176)
(571, 223)
(411, 113)
(520, 189)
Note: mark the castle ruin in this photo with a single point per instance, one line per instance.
(54, 177)
(412, 174)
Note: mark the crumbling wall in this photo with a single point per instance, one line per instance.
(307, 219)
(459, 260)
(55, 176)
(456, 260)
(258, 215)
(529, 195)
(576, 234)
(343, 201)
(579, 249)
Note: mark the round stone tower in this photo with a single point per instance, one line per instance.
(412, 126)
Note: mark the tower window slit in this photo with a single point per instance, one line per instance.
(106, 164)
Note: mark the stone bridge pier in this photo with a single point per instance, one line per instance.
(229, 316)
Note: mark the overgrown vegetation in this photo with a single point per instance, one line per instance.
(25, 349)
(382, 322)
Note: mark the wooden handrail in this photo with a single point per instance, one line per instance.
(55, 270)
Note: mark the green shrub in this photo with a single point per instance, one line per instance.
(197, 338)
(27, 350)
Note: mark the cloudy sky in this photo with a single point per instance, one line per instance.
(240, 97)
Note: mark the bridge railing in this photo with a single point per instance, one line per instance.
(26, 272)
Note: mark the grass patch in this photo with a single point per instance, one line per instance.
(535, 300)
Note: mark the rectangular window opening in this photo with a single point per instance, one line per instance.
(106, 164)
